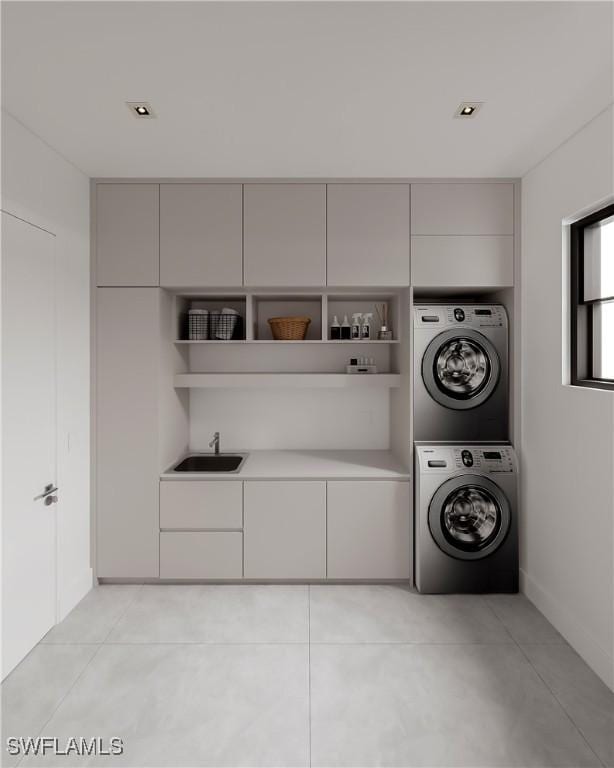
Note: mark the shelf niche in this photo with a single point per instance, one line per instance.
(342, 305)
(212, 304)
(266, 307)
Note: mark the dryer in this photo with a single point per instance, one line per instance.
(465, 517)
(460, 372)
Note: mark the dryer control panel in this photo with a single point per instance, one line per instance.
(470, 315)
(450, 458)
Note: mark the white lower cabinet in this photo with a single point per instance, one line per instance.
(368, 530)
(285, 529)
(201, 555)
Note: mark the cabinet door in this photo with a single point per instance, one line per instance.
(201, 235)
(368, 234)
(285, 234)
(458, 261)
(462, 209)
(201, 555)
(127, 234)
(368, 530)
(285, 530)
(127, 361)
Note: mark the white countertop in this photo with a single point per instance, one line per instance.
(306, 465)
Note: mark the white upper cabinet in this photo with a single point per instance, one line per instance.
(459, 261)
(462, 235)
(284, 234)
(368, 234)
(201, 235)
(127, 234)
(462, 209)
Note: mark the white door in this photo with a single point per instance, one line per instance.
(28, 438)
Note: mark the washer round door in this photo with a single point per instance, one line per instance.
(460, 369)
(469, 517)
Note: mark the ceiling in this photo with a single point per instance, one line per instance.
(307, 89)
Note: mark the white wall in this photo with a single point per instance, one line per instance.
(38, 185)
(251, 419)
(567, 452)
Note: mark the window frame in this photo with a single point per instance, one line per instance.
(581, 313)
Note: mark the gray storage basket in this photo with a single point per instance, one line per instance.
(226, 326)
(198, 324)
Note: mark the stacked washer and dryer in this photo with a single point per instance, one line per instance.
(465, 511)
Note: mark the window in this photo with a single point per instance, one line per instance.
(592, 300)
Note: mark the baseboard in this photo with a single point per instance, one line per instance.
(74, 592)
(600, 661)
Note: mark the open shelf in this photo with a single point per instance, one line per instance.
(276, 341)
(255, 308)
(325, 380)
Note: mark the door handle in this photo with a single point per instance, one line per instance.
(49, 489)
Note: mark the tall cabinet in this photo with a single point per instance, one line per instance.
(127, 362)
(140, 419)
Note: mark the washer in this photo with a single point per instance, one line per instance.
(466, 523)
(460, 372)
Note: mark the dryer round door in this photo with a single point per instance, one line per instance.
(460, 369)
(469, 517)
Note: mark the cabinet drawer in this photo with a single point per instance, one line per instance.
(197, 504)
(368, 530)
(201, 555)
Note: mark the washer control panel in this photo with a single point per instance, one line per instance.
(471, 315)
(453, 458)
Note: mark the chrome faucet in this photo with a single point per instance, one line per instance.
(215, 443)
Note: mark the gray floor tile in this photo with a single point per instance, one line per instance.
(587, 700)
(92, 619)
(524, 622)
(31, 693)
(221, 613)
(367, 613)
(192, 705)
(436, 705)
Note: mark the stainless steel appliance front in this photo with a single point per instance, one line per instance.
(465, 518)
(460, 372)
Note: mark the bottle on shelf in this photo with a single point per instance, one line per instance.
(346, 331)
(356, 326)
(365, 332)
(335, 329)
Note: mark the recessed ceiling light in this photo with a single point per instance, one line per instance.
(468, 109)
(140, 109)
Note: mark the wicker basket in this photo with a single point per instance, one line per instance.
(289, 328)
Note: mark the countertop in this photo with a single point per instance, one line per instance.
(305, 465)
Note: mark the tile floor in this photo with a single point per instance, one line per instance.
(322, 675)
